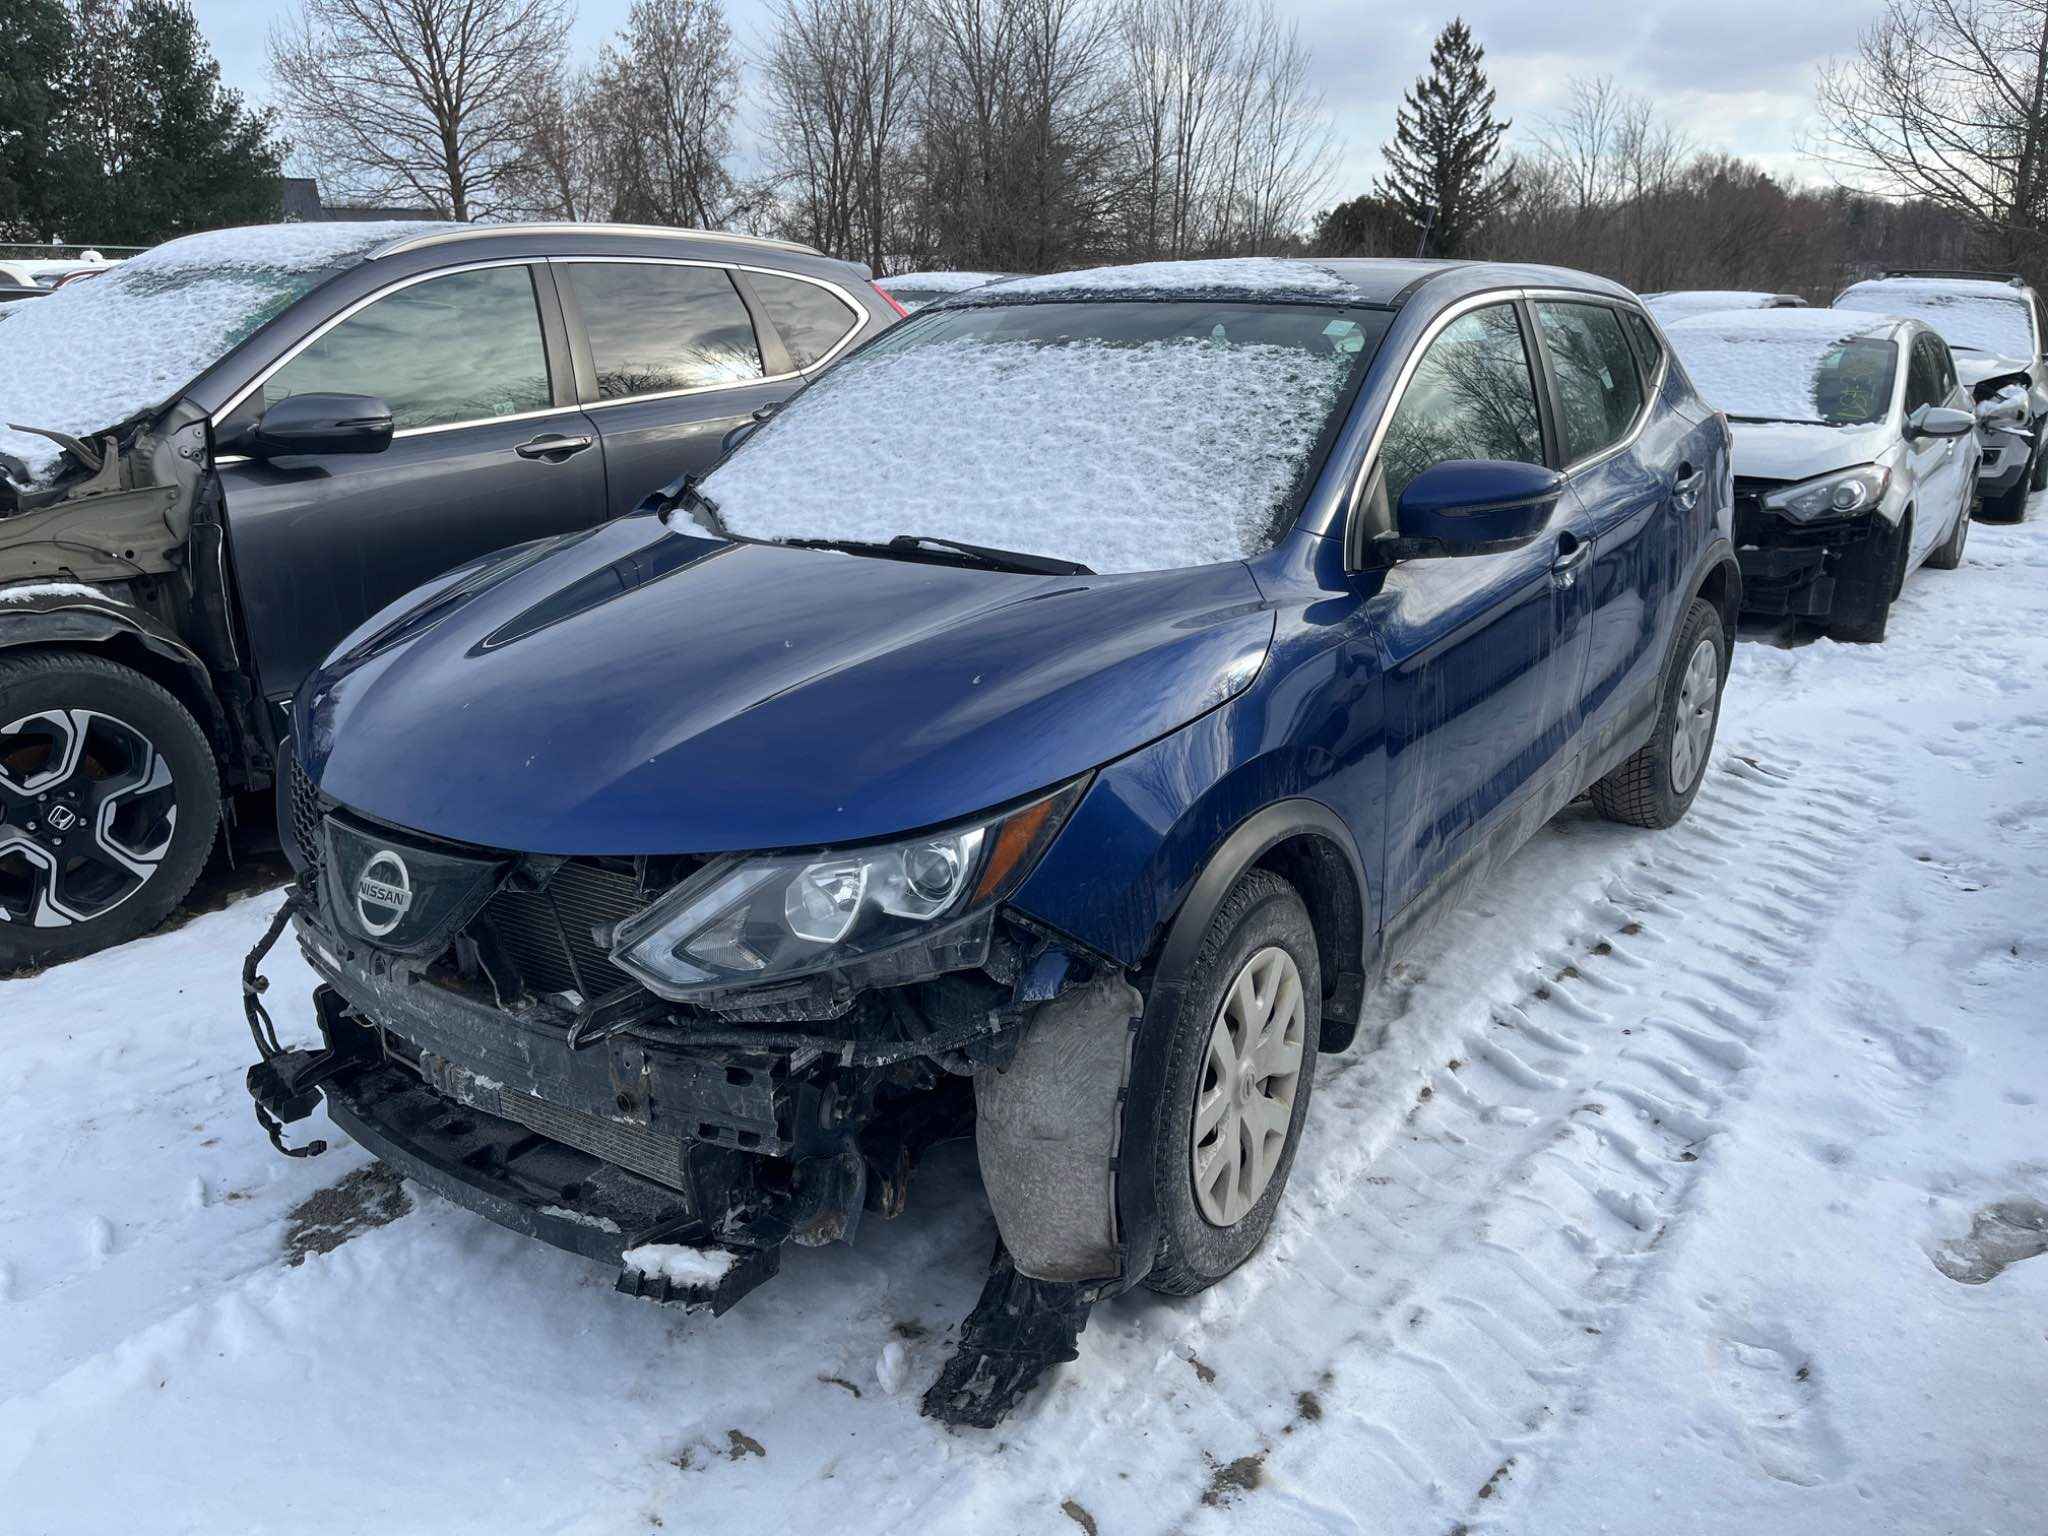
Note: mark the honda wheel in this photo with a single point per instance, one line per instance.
(109, 800)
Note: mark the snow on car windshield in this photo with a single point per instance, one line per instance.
(1972, 315)
(1127, 437)
(1817, 365)
(93, 354)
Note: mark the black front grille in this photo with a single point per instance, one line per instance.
(547, 933)
(305, 814)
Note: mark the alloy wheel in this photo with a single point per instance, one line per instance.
(88, 807)
(1698, 694)
(1244, 1101)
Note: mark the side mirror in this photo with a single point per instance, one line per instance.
(1473, 507)
(748, 428)
(1941, 421)
(321, 424)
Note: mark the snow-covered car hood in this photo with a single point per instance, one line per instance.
(637, 691)
(1799, 450)
(1973, 368)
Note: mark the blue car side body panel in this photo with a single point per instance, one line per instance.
(638, 691)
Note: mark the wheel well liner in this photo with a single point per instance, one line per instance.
(126, 637)
(1721, 585)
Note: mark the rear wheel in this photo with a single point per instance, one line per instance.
(1656, 786)
(1950, 554)
(1241, 1061)
(109, 800)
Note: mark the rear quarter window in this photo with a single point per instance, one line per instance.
(812, 319)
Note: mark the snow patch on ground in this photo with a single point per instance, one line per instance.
(1686, 1182)
(1124, 458)
(93, 354)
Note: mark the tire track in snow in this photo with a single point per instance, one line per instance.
(1507, 1226)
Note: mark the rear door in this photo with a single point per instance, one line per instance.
(674, 354)
(490, 450)
(1627, 465)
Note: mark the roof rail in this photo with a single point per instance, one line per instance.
(1964, 272)
(656, 231)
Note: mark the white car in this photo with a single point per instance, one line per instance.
(1992, 322)
(1855, 456)
(48, 273)
(1682, 303)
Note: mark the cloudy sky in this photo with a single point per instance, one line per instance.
(1737, 75)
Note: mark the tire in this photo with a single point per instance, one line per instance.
(1656, 786)
(2007, 506)
(2037, 470)
(141, 802)
(1950, 555)
(1870, 629)
(1262, 922)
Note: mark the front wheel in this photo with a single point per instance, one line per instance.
(2008, 505)
(1656, 786)
(1241, 1059)
(109, 800)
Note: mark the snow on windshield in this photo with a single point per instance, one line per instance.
(1984, 317)
(1819, 365)
(1168, 452)
(93, 354)
(1260, 277)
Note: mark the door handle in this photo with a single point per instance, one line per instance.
(1685, 490)
(1571, 554)
(553, 447)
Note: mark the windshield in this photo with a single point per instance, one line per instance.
(1129, 436)
(1790, 371)
(93, 354)
(1986, 317)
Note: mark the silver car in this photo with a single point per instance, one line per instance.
(1855, 456)
(1992, 323)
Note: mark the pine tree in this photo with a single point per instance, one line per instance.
(38, 44)
(1446, 140)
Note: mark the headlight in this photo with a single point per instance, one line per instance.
(1853, 490)
(779, 916)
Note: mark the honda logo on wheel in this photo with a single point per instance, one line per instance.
(383, 893)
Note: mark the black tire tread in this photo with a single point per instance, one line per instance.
(1171, 1273)
(1629, 794)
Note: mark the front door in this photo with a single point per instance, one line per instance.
(489, 452)
(1937, 461)
(1483, 654)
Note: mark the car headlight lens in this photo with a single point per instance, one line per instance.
(779, 916)
(1838, 495)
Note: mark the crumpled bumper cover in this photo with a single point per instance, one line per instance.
(1795, 569)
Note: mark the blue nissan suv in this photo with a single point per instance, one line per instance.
(1046, 727)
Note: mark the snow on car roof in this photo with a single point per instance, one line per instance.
(1761, 363)
(1172, 452)
(1702, 301)
(1967, 312)
(1265, 279)
(92, 355)
(942, 282)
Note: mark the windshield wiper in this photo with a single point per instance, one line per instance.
(913, 544)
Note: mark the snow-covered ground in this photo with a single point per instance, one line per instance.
(1641, 1217)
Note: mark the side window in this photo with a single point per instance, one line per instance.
(659, 326)
(1597, 384)
(1473, 396)
(812, 320)
(1923, 376)
(465, 347)
(1947, 364)
(1647, 345)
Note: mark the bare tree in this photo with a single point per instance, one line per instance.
(423, 100)
(1947, 101)
(661, 108)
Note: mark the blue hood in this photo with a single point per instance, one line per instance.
(638, 691)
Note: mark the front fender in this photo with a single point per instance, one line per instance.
(65, 613)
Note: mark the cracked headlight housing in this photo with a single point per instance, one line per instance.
(1843, 494)
(776, 917)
